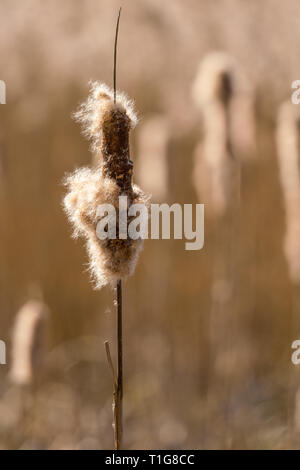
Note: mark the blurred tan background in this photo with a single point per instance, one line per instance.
(177, 394)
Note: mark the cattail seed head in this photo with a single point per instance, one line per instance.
(215, 171)
(214, 79)
(288, 147)
(28, 342)
(107, 125)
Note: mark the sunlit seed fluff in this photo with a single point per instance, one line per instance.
(107, 125)
(91, 113)
(288, 150)
(29, 340)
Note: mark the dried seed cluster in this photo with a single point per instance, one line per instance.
(107, 125)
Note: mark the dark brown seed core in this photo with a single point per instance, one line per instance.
(115, 149)
(225, 87)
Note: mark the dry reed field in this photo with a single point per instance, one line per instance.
(192, 348)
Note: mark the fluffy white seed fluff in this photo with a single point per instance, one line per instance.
(90, 113)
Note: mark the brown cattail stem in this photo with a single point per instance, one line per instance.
(119, 410)
(115, 395)
(117, 380)
(115, 56)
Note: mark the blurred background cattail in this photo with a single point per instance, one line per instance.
(29, 343)
(288, 150)
(288, 145)
(216, 172)
(217, 181)
(152, 169)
